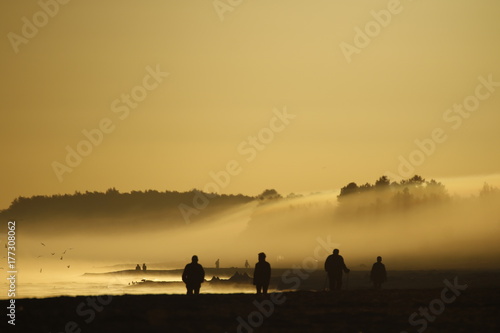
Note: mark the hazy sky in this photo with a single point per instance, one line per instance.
(354, 82)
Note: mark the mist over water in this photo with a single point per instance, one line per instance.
(461, 233)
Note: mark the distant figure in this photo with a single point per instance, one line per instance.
(144, 267)
(193, 276)
(334, 266)
(378, 275)
(247, 265)
(137, 268)
(217, 264)
(262, 274)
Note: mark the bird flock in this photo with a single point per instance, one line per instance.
(51, 254)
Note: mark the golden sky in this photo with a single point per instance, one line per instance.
(294, 95)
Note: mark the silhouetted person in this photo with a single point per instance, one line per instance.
(217, 264)
(247, 265)
(137, 268)
(193, 276)
(378, 275)
(144, 267)
(262, 274)
(334, 266)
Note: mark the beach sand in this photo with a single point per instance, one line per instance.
(473, 310)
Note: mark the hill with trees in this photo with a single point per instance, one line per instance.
(387, 195)
(114, 207)
(168, 209)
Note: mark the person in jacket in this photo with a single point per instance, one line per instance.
(193, 276)
(262, 274)
(378, 275)
(334, 266)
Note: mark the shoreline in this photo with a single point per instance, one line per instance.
(164, 282)
(388, 310)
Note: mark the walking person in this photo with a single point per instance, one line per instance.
(335, 266)
(378, 274)
(262, 274)
(193, 276)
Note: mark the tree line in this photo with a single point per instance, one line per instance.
(111, 203)
(386, 194)
(382, 194)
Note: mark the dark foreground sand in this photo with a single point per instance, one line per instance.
(474, 310)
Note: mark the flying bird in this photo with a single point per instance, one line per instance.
(68, 266)
(61, 257)
(40, 270)
(42, 244)
(52, 253)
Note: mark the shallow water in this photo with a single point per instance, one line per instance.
(112, 287)
(122, 282)
(98, 281)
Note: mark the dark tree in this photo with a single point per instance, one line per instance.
(382, 183)
(351, 188)
(269, 195)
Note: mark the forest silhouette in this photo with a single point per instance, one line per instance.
(96, 207)
(385, 195)
(398, 219)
